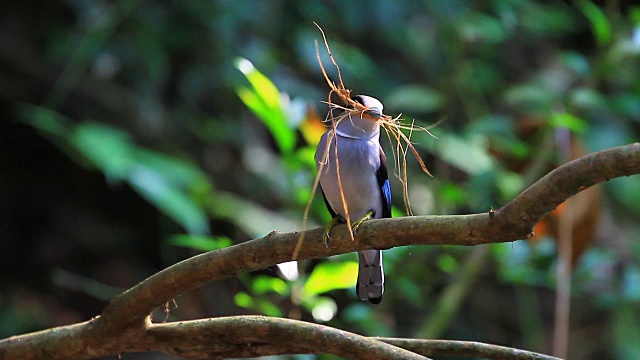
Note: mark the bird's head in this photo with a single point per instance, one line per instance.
(362, 122)
(373, 106)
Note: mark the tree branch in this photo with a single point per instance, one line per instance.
(464, 348)
(252, 336)
(124, 321)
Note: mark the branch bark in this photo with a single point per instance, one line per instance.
(464, 348)
(124, 324)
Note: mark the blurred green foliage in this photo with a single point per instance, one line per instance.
(182, 127)
(164, 180)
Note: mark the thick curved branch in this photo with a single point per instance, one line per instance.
(124, 321)
(464, 348)
(512, 222)
(252, 336)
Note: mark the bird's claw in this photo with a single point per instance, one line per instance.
(327, 229)
(357, 223)
(326, 238)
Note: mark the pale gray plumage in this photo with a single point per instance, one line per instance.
(365, 184)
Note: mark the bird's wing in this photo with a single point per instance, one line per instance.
(326, 202)
(385, 186)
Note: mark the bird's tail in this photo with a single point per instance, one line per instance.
(370, 285)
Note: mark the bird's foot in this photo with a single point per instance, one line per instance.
(327, 229)
(357, 223)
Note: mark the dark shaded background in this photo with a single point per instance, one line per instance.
(122, 127)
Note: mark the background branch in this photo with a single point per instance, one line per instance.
(125, 322)
(464, 348)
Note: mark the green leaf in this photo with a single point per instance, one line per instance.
(169, 199)
(106, 147)
(244, 300)
(203, 243)
(568, 121)
(491, 124)
(510, 184)
(447, 263)
(330, 276)
(530, 97)
(634, 15)
(249, 216)
(587, 98)
(470, 155)
(415, 99)
(262, 284)
(175, 170)
(480, 27)
(268, 308)
(165, 181)
(452, 193)
(46, 120)
(600, 25)
(264, 100)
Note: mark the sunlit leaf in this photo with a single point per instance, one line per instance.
(600, 25)
(268, 308)
(263, 284)
(397, 212)
(264, 100)
(263, 87)
(244, 300)
(203, 243)
(568, 121)
(329, 276)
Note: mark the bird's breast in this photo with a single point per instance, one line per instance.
(357, 161)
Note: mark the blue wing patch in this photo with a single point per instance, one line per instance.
(386, 192)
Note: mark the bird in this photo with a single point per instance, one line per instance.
(364, 183)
